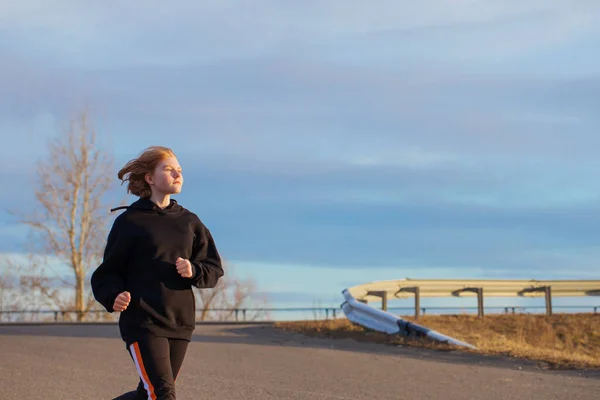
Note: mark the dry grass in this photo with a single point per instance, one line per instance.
(558, 342)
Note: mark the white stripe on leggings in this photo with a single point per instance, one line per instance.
(137, 358)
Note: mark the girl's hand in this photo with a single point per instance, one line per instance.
(184, 267)
(122, 301)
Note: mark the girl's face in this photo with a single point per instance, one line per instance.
(167, 177)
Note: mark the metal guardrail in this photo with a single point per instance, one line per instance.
(245, 314)
(479, 288)
(383, 321)
(404, 288)
(506, 309)
(236, 314)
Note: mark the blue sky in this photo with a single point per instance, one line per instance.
(332, 143)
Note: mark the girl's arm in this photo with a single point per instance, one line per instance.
(107, 281)
(207, 267)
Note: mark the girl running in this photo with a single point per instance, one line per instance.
(155, 252)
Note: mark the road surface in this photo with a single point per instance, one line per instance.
(259, 362)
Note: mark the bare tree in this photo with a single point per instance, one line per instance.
(229, 298)
(70, 222)
(24, 294)
(70, 217)
(8, 297)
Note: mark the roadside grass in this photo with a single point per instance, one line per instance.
(560, 341)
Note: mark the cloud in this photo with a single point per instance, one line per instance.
(279, 297)
(348, 233)
(494, 36)
(137, 32)
(269, 109)
(356, 215)
(142, 79)
(351, 135)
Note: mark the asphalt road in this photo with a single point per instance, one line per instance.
(258, 362)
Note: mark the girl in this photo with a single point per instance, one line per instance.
(155, 252)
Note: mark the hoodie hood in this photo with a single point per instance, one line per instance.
(145, 204)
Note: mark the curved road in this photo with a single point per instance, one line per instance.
(259, 362)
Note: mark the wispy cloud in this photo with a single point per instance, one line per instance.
(434, 138)
(144, 32)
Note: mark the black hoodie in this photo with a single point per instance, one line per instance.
(141, 250)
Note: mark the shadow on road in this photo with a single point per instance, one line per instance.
(268, 335)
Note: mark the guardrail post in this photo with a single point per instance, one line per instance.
(480, 302)
(479, 292)
(236, 314)
(548, 292)
(417, 292)
(383, 295)
(244, 313)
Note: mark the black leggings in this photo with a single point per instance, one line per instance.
(157, 361)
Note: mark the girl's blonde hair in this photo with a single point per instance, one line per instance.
(135, 170)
